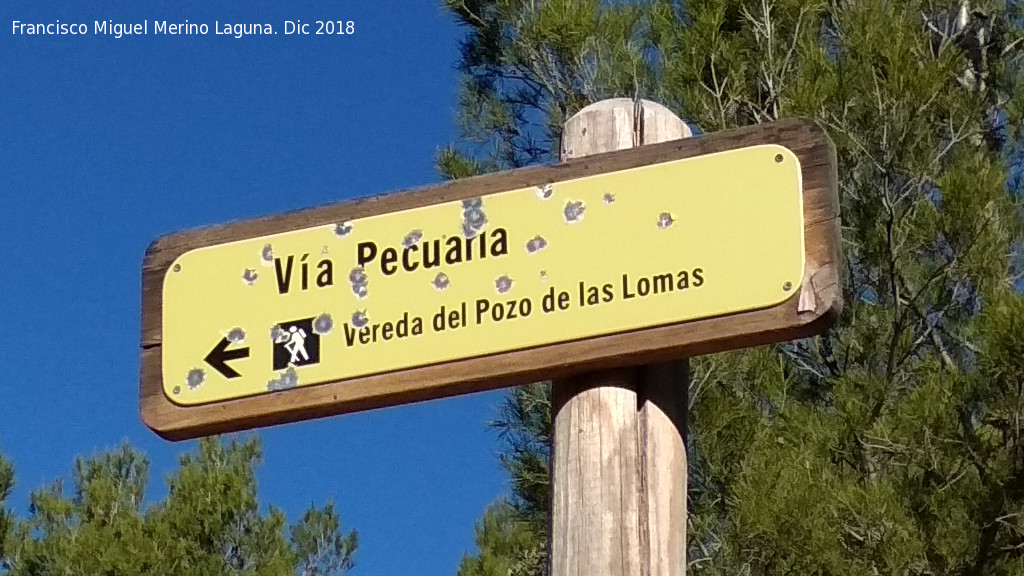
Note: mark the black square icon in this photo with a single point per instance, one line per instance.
(295, 344)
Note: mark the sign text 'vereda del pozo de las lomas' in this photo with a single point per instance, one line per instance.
(447, 281)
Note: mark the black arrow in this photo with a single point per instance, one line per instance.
(220, 356)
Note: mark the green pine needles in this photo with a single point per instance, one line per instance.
(210, 523)
(894, 444)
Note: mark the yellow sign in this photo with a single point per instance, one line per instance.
(661, 244)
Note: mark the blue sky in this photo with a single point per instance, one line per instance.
(109, 143)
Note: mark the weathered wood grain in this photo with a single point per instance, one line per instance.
(663, 397)
(785, 321)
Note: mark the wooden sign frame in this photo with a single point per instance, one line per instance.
(809, 311)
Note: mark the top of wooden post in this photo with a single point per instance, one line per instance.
(617, 124)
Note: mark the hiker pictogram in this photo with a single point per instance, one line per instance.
(296, 344)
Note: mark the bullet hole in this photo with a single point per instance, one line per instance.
(359, 319)
(544, 192)
(249, 276)
(412, 238)
(503, 284)
(665, 220)
(441, 281)
(573, 211)
(343, 229)
(473, 217)
(323, 324)
(474, 221)
(536, 244)
(543, 275)
(236, 335)
(288, 379)
(195, 378)
(359, 281)
(267, 254)
(609, 198)
(278, 334)
(357, 275)
(176, 390)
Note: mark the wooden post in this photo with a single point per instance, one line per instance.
(619, 473)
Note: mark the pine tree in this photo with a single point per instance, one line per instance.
(210, 522)
(892, 444)
(6, 485)
(508, 546)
